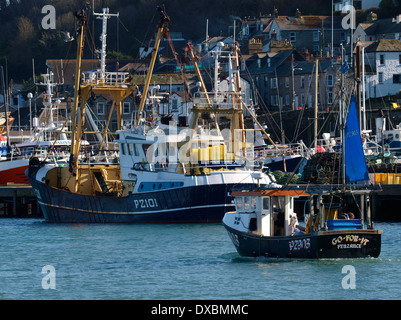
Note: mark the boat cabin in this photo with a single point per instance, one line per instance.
(266, 212)
(271, 213)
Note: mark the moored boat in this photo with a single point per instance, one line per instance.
(163, 175)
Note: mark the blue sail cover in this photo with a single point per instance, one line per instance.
(355, 164)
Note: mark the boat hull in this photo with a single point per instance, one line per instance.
(13, 172)
(205, 203)
(290, 164)
(316, 245)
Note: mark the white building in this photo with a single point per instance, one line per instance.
(382, 68)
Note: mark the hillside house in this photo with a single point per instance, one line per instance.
(382, 67)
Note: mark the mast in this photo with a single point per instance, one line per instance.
(363, 92)
(163, 26)
(104, 16)
(5, 108)
(76, 130)
(342, 120)
(316, 107)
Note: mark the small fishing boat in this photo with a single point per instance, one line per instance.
(265, 223)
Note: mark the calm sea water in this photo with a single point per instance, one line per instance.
(175, 261)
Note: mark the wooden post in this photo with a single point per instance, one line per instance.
(15, 203)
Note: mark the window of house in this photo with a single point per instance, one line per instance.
(273, 83)
(315, 35)
(316, 47)
(287, 82)
(382, 59)
(330, 81)
(293, 36)
(274, 100)
(343, 36)
(330, 97)
(287, 100)
(174, 105)
(302, 99)
(100, 108)
(396, 78)
(126, 107)
(380, 77)
(266, 79)
(302, 82)
(399, 59)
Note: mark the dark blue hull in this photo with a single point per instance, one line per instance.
(206, 203)
(316, 245)
(291, 165)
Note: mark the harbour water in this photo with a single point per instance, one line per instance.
(176, 262)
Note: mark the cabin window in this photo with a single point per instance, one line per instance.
(246, 203)
(124, 148)
(253, 203)
(293, 36)
(130, 149)
(266, 204)
(136, 150)
(397, 136)
(238, 200)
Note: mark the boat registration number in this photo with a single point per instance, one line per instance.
(298, 244)
(146, 203)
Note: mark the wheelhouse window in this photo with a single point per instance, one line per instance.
(253, 202)
(246, 203)
(266, 203)
(238, 201)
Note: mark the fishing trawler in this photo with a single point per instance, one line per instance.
(265, 224)
(163, 175)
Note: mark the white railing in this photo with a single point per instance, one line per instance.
(110, 78)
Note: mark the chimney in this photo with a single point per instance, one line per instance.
(254, 46)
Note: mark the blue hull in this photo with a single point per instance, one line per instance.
(206, 203)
